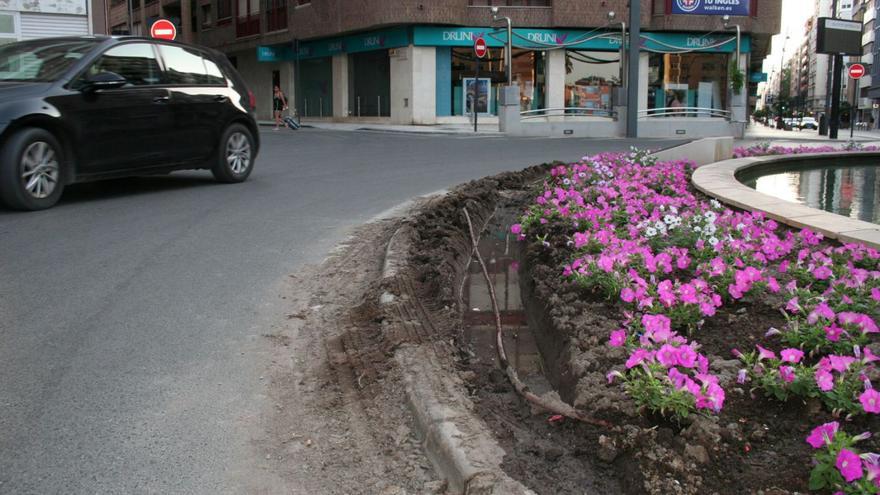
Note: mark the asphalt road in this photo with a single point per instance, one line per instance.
(131, 313)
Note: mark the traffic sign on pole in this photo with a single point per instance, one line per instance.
(163, 29)
(856, 71)
(480, 47)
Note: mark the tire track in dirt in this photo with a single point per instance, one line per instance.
(340, 425)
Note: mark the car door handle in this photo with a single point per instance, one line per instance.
(221, 98)
(161, 99)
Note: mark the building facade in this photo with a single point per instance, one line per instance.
(412, 62)
(30, 19)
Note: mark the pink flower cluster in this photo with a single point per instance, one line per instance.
(680, 364)
(765, 149)
(855, 472)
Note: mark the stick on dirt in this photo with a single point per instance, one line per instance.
(552, 405)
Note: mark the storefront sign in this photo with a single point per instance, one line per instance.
(711, 7)
(678, 42)
(758, 77)
(375, 40)
(275, 53)
(532, 39)
(540, 39)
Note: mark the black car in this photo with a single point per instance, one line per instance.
(85, 108)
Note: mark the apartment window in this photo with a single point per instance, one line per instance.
(119, 30)
(511, 3)
(206, 15)
(224, 9)
(8, 28)
(276, 15)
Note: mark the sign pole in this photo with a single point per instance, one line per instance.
(852, 111)
(632, 66)
(476, 93)
(834, 118)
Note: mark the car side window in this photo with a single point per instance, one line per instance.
(189, 67)
(136, 62)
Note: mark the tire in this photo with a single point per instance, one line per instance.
(235, 157)
(31, 170)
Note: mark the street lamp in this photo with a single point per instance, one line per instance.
(611, 16)
(726, 20)
(781, 74)
(508, 56)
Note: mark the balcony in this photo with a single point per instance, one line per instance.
(247, 25)
(276, 18)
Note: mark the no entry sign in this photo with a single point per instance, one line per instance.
(480, 47)
(856, 71)
(163, 29)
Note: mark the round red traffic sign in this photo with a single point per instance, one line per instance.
(163, 29)
(480, 47)
(856, 71)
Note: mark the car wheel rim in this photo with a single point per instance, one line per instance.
(39, 169)
(238, 153)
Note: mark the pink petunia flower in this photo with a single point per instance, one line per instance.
(822, 273)
(516, 228)
(841, 363)
(849, 464)
(617, 339)
(627, 295)
(870, 400)
(765, 353)
(667, 356)
(824, 380)
(792, 306)
(792, 355)
(687, 357)
(823, 434)
(786, 373)
(833, 332)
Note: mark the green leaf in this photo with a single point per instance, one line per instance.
(817, 477)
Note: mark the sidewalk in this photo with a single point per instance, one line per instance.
(487, 129)
(759, 132)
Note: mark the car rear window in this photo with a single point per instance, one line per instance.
(188, 67)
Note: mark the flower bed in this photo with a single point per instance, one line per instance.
(685, 284)
(764, 149)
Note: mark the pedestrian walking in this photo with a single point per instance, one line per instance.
(279, 104)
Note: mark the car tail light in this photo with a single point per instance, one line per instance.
(253, 100)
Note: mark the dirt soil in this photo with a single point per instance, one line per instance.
(342, 425)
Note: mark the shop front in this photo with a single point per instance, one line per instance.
(429, 75)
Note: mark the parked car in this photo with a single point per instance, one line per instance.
(85, 108)
(808, 123)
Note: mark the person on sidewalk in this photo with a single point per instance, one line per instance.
(279, 104)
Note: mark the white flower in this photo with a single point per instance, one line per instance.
(669, 219)
(650, 232)
(710, 216)
(715, 204)
(674, 210)
(582, 175)
(566, 181)
(710, 229)
(740, 226)
(698, 229)
(713, 241)
(660, 226)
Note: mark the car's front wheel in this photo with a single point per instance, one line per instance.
(31, 170)
(236, 155)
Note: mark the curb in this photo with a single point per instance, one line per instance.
(455, 440)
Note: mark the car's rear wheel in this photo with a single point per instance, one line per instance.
(236, 155)
(31, 170)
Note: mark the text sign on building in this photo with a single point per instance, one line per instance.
(856, 71)
(711, 7)
(163, 29)
(480, 47)
(836, 36)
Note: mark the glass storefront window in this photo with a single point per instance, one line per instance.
(694, 80)
(528, 72)
(590, 78)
